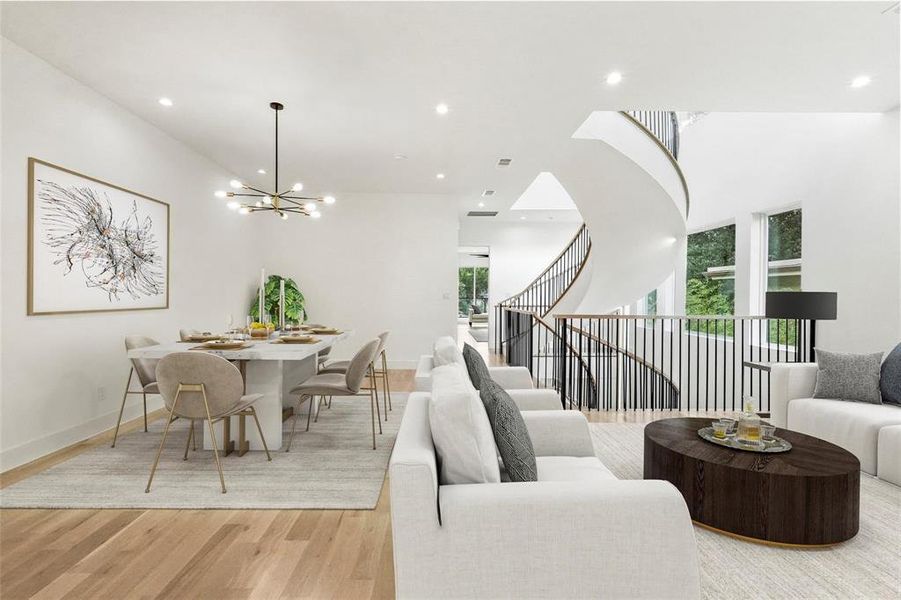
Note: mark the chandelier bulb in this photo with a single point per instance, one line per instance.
(315, 214)
(329, 199)
(244, 210)
(233, 205)
(297, 187)
(267, 199)
(236, 184)
(284, 216)
(220, 194)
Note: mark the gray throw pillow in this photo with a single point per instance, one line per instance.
(853, 377)
(890, 379)
(510, 433)
(475, 365)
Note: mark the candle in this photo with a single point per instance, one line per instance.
(262, 288)
(281, 304)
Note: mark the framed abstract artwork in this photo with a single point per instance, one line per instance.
(93, 246)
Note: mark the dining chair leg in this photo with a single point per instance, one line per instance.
(387, 385)
(294, 424)
(318, 406)
(159, 451)
(253, 411)
(122, 408)
(193, 437)
(145, 411)
(189, 440)
(310, 413)
(372, 416)
(209, 418)
(374, 389)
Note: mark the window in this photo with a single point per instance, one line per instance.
(650, 303)
(710, 274)
(472, 289)
(784, 252)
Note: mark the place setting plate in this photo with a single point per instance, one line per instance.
(222, 345)
(296, 339)
(203, 337)
(325, 330)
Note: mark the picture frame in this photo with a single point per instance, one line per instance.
(93, 246)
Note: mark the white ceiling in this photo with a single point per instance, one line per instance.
(360, 80)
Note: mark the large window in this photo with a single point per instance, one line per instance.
(710, 275)
(472, 290)
(784, 252)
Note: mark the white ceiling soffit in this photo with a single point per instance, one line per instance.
(544, 193)
(360, 80)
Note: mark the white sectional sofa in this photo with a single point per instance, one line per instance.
(577, 532)
(516, 380)
(855, 426)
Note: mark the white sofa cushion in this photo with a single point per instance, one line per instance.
(461, 432)
(572, 468)
(888, 465)
(446, 352)
(852, 425)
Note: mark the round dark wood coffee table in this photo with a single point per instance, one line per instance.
(808, 496)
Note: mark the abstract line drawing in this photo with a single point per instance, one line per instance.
(93, 246)
(119, 255)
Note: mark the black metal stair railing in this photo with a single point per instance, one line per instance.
(664, 124)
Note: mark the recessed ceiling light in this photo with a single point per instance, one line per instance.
(442, 109)
(439, 176)
(261, 171)
(522, 218)
(400, 157)
(614, 77)
(165, 101)
(481, 205)
(861, 81)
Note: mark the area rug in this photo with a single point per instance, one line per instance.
(479, 334)
(866, 566)
(332, 466)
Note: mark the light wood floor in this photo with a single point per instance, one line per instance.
(219, 554)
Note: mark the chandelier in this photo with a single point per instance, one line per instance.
(249, 199)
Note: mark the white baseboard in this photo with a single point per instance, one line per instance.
(34, 449)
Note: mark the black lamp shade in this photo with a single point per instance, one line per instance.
(802, 305)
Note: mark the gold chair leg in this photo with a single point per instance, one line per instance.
(310, 413)
(374, 390)
(318, 407)
(193, 437)
(372, 417)
(145, 411)
(122, 408)
(253, 411)
(190, 438)
(294, 424)
(213, 438)
(387, 385)
(162, 442)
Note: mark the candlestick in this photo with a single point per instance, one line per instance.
(281, 304)
(262, 288)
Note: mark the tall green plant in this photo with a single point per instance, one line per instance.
(295, 304)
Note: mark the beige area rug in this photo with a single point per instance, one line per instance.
(332, 466)
(866, 566)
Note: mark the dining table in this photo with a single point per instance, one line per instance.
(269, 367)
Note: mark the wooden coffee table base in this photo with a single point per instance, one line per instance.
(809, 496)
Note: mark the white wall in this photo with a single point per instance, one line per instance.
(375, 262)
(63, 376)
(842, 169)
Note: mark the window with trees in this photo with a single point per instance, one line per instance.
(710, 274)
(472, 289)
(784, 252)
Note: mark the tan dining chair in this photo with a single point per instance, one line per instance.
(146, 371)
(378, 372)
(349, 383)
(184, 335)
(202, 387)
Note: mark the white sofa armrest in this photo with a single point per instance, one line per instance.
(423, 378)
(512, 378)
(638, 534)
(536, 399)
(789, 381)
(559, 433)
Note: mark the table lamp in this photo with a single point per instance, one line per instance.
(812, 306)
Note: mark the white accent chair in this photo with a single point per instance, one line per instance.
(855, 426)
(532, 540)
(517, 381)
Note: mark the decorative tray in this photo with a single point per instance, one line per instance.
(767, 446)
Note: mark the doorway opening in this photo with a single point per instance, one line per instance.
(473, 307)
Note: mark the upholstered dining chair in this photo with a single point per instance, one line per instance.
(146, 371)
(340, 366)
(203, 387)
(184, 335)
(348, 383)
